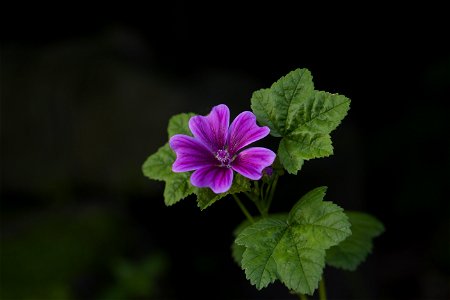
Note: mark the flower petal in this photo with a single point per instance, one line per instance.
(212, 130)
(251, 162)
(244, 131)
(219, 179)
(191, 153)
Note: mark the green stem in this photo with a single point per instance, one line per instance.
(261, 192)
(256, 200)
(244, 210)
(259, 199)
(250, 196)
(256, 185)
(322, 290)
(272, 192)
(302, 297)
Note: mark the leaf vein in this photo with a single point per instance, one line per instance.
(292, 96)
(320, 114)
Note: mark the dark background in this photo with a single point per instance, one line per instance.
(85, 100)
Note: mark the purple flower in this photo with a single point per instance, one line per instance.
(214, 151)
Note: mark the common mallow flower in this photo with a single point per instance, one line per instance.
(214, 151)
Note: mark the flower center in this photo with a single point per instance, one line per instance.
(224, 157)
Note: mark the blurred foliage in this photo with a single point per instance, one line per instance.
(42, 254)
(48, 255)
(139, 279)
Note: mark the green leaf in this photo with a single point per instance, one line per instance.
(278, 106)
(206, 197)
(158, 166)
(177, 188)
(295, 149)
(322, 113)
(179, 124)
(261, 240)
(308, 145)
(288, 155)
(301, 116)
(354, 250)
(238, 250)
(291, 248)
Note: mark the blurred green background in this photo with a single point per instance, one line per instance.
(84, 102)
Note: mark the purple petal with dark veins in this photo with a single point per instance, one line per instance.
(219, 179)
(244, 131)
(212, 130)
(251, 162)
(191, 153)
